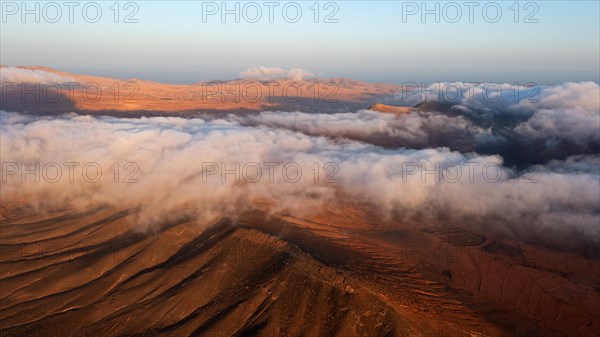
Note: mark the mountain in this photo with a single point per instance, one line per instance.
(397, 110)
(45, 90)
(92, 272)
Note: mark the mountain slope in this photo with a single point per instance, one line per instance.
(92, 272)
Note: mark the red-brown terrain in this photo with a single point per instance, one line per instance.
(134, 97)
(342, 272)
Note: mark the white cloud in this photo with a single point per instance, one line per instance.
(569, 111)
(20, 75)
(171, 154)
(269, 73)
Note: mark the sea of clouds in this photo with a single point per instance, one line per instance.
(527, 168)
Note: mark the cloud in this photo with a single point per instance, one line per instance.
(20, 75)
(414, 130)
(269, 73)
(524, 125)
(502, 103)
(557, 204)
(570, 111)
(528, 167)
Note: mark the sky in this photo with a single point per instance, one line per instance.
(379, 41)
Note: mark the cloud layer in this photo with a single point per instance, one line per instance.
(270, 73)
(19, 75)
(546, 123)
(178, 164)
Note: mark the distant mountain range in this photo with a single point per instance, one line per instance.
(45, 90)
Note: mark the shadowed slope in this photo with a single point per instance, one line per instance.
(94, 273)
